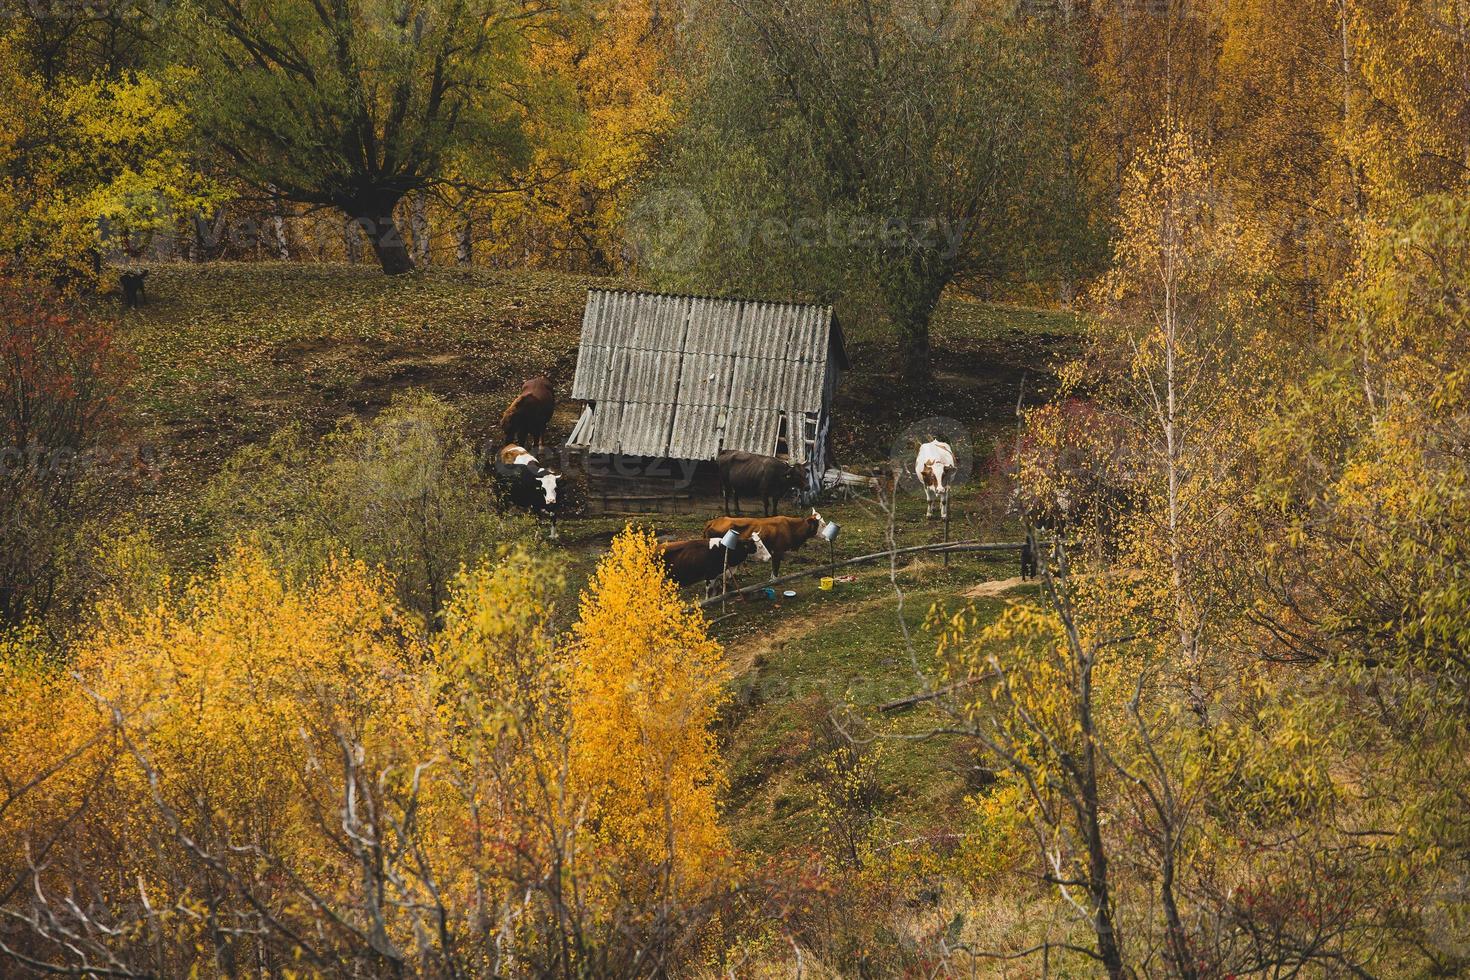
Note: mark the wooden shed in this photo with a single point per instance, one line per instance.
(674, 377)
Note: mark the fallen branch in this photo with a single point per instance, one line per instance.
(914, 699)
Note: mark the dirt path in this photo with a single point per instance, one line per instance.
(993, 588)
(742, 656)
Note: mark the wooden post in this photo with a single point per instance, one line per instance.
(946, 532)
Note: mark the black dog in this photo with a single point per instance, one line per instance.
(1028, 562)
(132, 286)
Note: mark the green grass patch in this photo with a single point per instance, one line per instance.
(801, 687)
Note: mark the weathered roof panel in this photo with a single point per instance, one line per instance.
(685, 376)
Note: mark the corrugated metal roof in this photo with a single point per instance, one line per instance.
(683, 376)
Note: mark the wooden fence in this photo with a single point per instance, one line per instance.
(946, 548)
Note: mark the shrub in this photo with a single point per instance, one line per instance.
(58, 369)
(399, 491)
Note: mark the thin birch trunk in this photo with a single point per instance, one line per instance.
(351, 242)
(464, 245)
(418, 220)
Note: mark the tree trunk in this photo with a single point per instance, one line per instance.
(913, 352)
(278, 228)
(278, 231)
(911, 288)
(419, 218)
(350, 240)
(464, 249)
(382, 233)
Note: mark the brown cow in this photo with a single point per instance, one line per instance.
(701, 560)
(779, 535)
(526, 418)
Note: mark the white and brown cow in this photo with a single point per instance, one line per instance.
(935, 466)
(703, 560)
(529, 485)
(774, 537)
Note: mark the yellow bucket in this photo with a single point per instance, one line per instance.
(825, 584)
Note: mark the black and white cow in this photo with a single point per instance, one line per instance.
(529, 485)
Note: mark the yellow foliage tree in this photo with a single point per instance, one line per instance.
(277, 769)
(646, 683)
(93, 169)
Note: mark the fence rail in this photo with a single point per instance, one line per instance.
(948, 547)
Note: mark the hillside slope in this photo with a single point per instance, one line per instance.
(227, 353)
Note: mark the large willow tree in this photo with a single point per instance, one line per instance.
(885, 149)
(353, 104)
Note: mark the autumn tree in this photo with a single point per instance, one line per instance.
(355, 105)
(94, 167)
(645, 683)
(281, 768)
(1138, 724)
(1364, 483)
(615, 62)
(912, 147)
(401, 490)
(1407, 124)
(1183, 326)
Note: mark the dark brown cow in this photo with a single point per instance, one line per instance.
(754, 475)
(779, 535)
(700, 560)
(135, 288)
(526, 419)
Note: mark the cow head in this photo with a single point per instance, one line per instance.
(548, 481)
(934, 473)
(796, 480)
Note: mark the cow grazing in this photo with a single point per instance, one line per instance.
(529, 484)
(778, 535)
(701, 559)
(754, 475)
(134, 293)
(935, 467)
(526, 419)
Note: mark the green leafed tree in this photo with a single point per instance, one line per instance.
(353, 104)
(886, 150)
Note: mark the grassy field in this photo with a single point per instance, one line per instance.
(227, 353)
